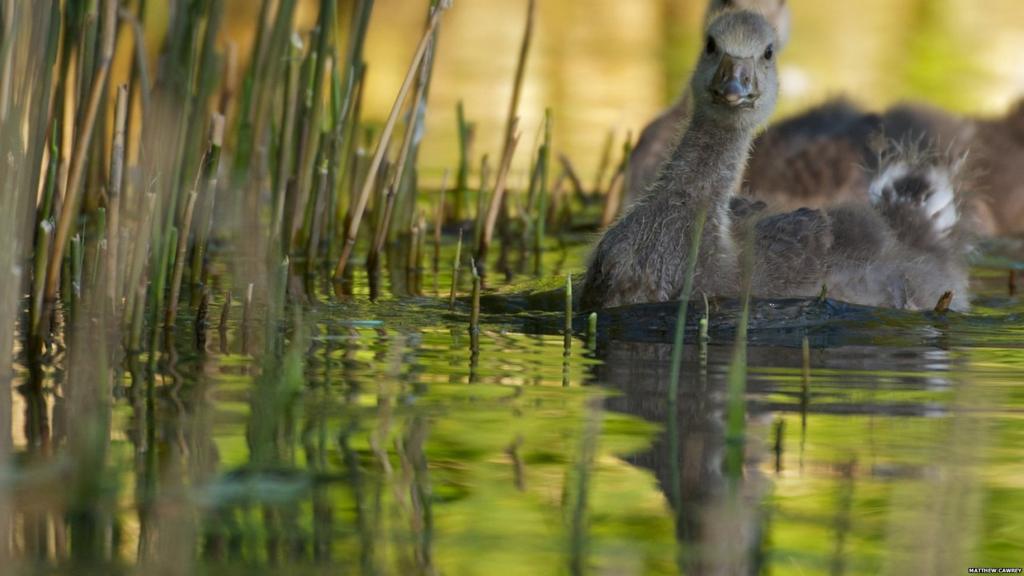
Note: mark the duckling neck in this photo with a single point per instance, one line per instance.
(707, 164)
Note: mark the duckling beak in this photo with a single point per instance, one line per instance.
(733, 83)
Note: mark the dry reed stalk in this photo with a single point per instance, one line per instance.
(72, 195)
(114, 196)
(382, 147)
(491, 220)
(512, 120)
(381, 235)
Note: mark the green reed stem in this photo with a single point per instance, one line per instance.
(481, 201)
(466, 132)
(316, 204)
(225, 313)
(540, 216)
(592, 331)
(43, 240)
(179, 260)
(285, 147)
(736, 419)
(455, 272)
(312, 144)
(474, 317)
(567, 336)
(211, 167)
(684, 302)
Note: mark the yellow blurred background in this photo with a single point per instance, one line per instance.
(612, 64)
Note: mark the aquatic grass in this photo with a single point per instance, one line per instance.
(225, 312)
(567, 330)
(117, 159)
(474, 317)
(456, 263)
(356, 212)
(736, 409)
(592, 331)
(208, 192)
(684, 302)
(438, 225)
(541, 211)
(481, 201)
(316, 102)
(285, 147)
(466, 132)
(392, 189)
(72, 192)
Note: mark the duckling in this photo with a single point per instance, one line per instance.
(659, 137)
(898, 251)
(817, 158)
(813, 159)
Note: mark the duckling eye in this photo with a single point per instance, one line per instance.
(711, 47)
(769, 52)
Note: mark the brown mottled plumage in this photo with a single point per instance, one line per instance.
(901, 250)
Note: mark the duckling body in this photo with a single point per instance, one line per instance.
(897, 251)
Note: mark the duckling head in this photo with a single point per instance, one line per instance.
(775, 11)
(736, 82)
